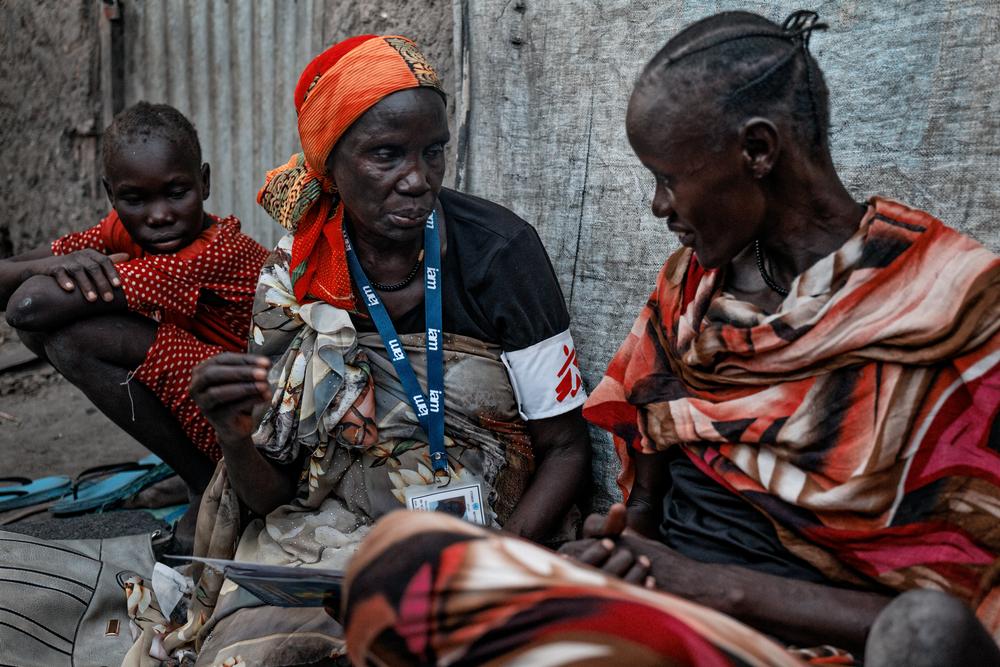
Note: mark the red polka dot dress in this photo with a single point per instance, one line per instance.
(170, 289)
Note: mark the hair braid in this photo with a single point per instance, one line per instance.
(737, 58)
(801, 24)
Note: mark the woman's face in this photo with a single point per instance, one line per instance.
(389, 165)
(704, 187)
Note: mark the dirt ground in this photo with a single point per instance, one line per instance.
(47, 426)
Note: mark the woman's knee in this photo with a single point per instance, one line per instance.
(400, 528)
(927, 628)
(401, 544)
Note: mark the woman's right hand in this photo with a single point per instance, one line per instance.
(91, 271)
(227, 388)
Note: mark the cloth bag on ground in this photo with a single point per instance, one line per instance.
(64, 602)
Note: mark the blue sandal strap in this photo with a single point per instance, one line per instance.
(33, 492)
(115, 487)
(110, 469)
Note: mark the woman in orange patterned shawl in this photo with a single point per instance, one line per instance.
(823, 374)
(338, 441)
(806, 411)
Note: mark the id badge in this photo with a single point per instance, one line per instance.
(462, 500)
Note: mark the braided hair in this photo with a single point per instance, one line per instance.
(746, 65)
(142, 121)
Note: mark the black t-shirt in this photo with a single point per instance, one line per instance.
(499, 286)
(710, 524)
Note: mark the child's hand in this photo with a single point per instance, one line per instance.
(602, 547)
(91, 271)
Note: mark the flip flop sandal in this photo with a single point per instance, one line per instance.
(120, 482)
(18, 492)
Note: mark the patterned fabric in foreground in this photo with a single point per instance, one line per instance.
(426, 588)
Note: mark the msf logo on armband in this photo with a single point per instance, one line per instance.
(568, 376)
(435, 400)
(370, 295)
(418, 401)
(432, 278)
(396, 349)
(432, 339)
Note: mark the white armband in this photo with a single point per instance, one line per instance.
(546, 377)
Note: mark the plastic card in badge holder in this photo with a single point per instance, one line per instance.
(464, 501)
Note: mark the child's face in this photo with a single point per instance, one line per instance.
(157, 188)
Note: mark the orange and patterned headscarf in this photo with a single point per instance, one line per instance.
(334, 91)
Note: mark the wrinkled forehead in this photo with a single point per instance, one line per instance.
(401, 106)
(408, 115)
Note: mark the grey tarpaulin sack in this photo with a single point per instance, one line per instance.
(63, 602)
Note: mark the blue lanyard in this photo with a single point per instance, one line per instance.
(429, 408)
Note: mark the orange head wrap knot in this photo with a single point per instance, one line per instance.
(334, 90)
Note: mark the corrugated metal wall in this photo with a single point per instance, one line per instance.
(231, 67)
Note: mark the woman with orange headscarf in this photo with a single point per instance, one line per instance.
(386, 284)
(807, 410)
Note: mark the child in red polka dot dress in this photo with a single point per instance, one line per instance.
(127, 308)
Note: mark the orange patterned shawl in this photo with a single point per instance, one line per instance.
(861, 418)
(334, 91)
